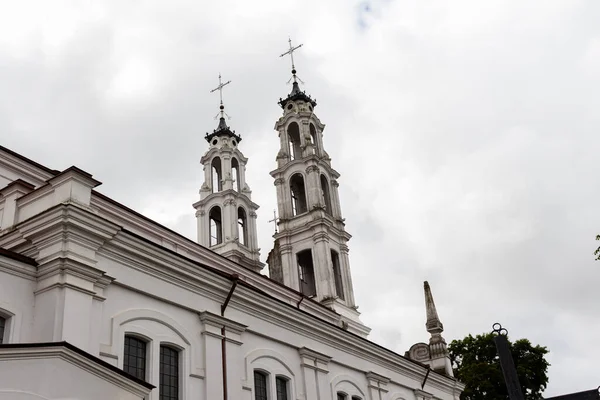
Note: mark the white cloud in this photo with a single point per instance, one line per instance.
(472, 124)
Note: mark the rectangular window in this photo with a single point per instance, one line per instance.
(169, 373)
(306, 273)
(337, 275)
(2, 325)
(282, 389)
(134, 357)
(260, 386)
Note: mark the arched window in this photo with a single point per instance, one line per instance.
(216, 226)
(337, 275)
(313, 136)
(306, 273)
(325, 194)
(260, 386)
(2, 326)
(242, 227)
(342, 396)
(235, 174)
(168, 373)
(216, 175)
(281, 387)
(293, 132)
(134, 357)
(298, 193)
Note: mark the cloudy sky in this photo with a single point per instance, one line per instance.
(466, 133)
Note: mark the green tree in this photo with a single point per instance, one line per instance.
(476, 364)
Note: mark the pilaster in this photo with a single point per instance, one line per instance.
(315, 368)
(377, 385)
(215, 329)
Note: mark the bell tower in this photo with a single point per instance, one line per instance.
(226, 214)
(311, 252)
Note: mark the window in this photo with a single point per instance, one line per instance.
(313, 135)
(169, 373)
(281, 384)
(306, 273)
(356, 398)
(2, 326)
(260, 385)
(293, 132)
(242, 227)
(298, 193)
(337, 275)
(325, 196)
(216, 226)
(134, 358)
(216, 178)
(342, 396)
(235, 174)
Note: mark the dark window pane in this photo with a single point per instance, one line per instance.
(169, 374)
(2, 325)
(341, 396)
(282, 390)
(260, 386)
(134, 358)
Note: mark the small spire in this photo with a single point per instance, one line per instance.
(433, 324)
(222, 114)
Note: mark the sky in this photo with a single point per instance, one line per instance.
(466, 134)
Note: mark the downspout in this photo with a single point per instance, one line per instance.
(235, 278)
(426, 376)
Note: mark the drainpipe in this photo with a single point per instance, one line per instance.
(234, 278)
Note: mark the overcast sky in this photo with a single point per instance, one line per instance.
(466, 133)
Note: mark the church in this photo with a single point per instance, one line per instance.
(100, 302)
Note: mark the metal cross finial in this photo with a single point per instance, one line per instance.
(274, 220)
(291, 53)
(220, 89)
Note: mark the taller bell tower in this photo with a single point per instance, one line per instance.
(311, 252)
(226, 214)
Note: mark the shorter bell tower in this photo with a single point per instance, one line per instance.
(226, 214)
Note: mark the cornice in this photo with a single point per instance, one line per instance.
(214, 151)
(18, 268)
(299, 117)
(77, 358)
(300, 164)
(217, 198)
(218, 321)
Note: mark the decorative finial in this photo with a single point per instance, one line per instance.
(222, 113)
(274, 220)
(291, 53)
(434, 325)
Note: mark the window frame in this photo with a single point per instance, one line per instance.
(286, 383)
(178, 352)
(3, 328)
(147, 346)
(265, 375)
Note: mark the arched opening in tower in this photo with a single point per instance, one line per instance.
(313, 136)
(216, 178)
(298, 193)
(337, 274)
(242, 227)
(326, 194)
(306, 273)
(216, 226)
(293, 133)
(235, 174)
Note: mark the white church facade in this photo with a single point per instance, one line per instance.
(99, 302)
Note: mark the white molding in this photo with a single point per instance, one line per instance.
(76, 359)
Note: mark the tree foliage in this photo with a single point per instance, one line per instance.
(476, 364)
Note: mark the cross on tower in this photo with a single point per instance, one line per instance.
(274, 220)
(220, 89)
(291, 53)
